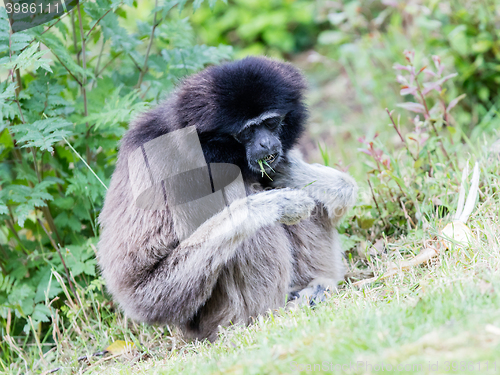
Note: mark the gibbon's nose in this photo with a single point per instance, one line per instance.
(268, 145)
(265, 143)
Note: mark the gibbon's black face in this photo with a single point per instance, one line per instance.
(260, 137)
(247, 112)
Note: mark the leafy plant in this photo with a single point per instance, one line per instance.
(404, 186)
(64, 104)
(367, 36)
(273, 27)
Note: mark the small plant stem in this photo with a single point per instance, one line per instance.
(37, 340)
(446, 119)
(10, 223)
(401, 189)
(47, 29)
(135, 62)
(99, 60)
(375, 157)
(395, 127)
(14, 232)
(9, 321)
(422, 97)
(35, 165)
(84, 81)
(20, 111)
(107, 64)
(400, 135)
(376, 203)
(97, 22)
(75, 46)
(408, 218)
(373, 196)
(445, 112)
(69, 71)
(19, 82)
(60, 256)
(15, 151)
(391, 195)
(429, 118)
(151, 38)
(440, 143)
(50, 221)
(80, 301)
(263, 170)
(46, 209)
(5, 256)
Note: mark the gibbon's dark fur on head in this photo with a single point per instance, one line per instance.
(218, 101)
(274, 249)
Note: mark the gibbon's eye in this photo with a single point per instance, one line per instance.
(273, 123)
(244, 135)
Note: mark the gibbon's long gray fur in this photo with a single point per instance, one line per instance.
(228, 271)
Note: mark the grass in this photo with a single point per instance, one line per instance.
(262, 162)
(434, 318)
(443, 314)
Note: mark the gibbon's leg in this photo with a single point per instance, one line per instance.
(176, 287)
(318, 254)
(255, 281)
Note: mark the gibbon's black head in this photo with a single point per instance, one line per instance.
(248, 112)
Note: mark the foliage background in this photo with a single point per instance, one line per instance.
(68, 90)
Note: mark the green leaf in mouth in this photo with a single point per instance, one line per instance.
(261, 165)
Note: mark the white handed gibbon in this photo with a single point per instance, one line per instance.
(275, 240)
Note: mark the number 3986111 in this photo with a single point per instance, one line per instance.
(32, 8)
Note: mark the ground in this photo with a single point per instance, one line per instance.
(440, 316)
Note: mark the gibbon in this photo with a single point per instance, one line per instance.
(274, 238)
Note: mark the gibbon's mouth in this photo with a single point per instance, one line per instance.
(266, 164)
(270, 158)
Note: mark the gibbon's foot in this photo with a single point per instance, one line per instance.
(320, 294)
(293, 296)
(316, 292)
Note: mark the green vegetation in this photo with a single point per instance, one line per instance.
(435, 66)
(64, 106)
(271, 27)
(263, 162)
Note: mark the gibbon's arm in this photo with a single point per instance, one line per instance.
(334, 189)
(181, 283)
